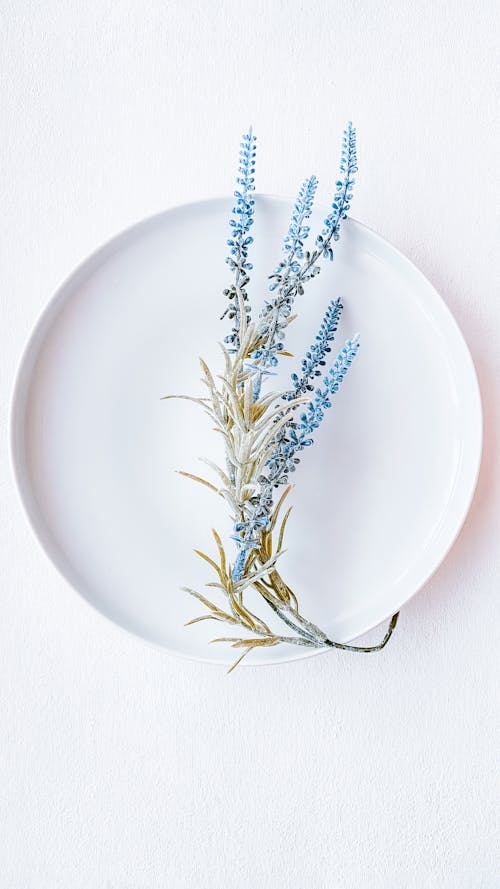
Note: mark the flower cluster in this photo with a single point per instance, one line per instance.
(265, 433)
(275, 314)
(315, 359)
(289, 278)
(298, 232)
(240, 240)
(287, 281)
(292, 438)
(343, 193)
(298, 435)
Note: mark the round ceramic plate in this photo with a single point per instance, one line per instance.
(377, 502)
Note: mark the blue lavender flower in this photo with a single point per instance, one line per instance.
(247, 537)
(287, 281)
(314, 413)
(343, 193)
(291, 439)
(247, 533)
(240, 240)
(274, 316)
(290, 276)
(315, 358)
(298, 232)
(296, 436)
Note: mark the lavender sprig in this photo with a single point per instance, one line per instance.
(272, 323)
(240, 240)
(298, 232)
(296, 436)
(292, 439)
(315, 357)
(290, 281)
(264, 435)
(284, 460)
(343, 193)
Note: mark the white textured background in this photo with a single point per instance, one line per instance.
(121, 767)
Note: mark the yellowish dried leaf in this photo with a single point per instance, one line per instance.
(197, 478)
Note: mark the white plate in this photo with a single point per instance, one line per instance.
(379, 499)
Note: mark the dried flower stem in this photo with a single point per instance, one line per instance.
(264, 433)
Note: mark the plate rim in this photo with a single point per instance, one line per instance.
(469, 479)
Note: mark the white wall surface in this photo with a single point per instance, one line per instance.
(121, 767)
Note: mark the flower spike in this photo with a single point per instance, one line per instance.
(315, 358)
(240, 240)
(289, 278)
(343, 193)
